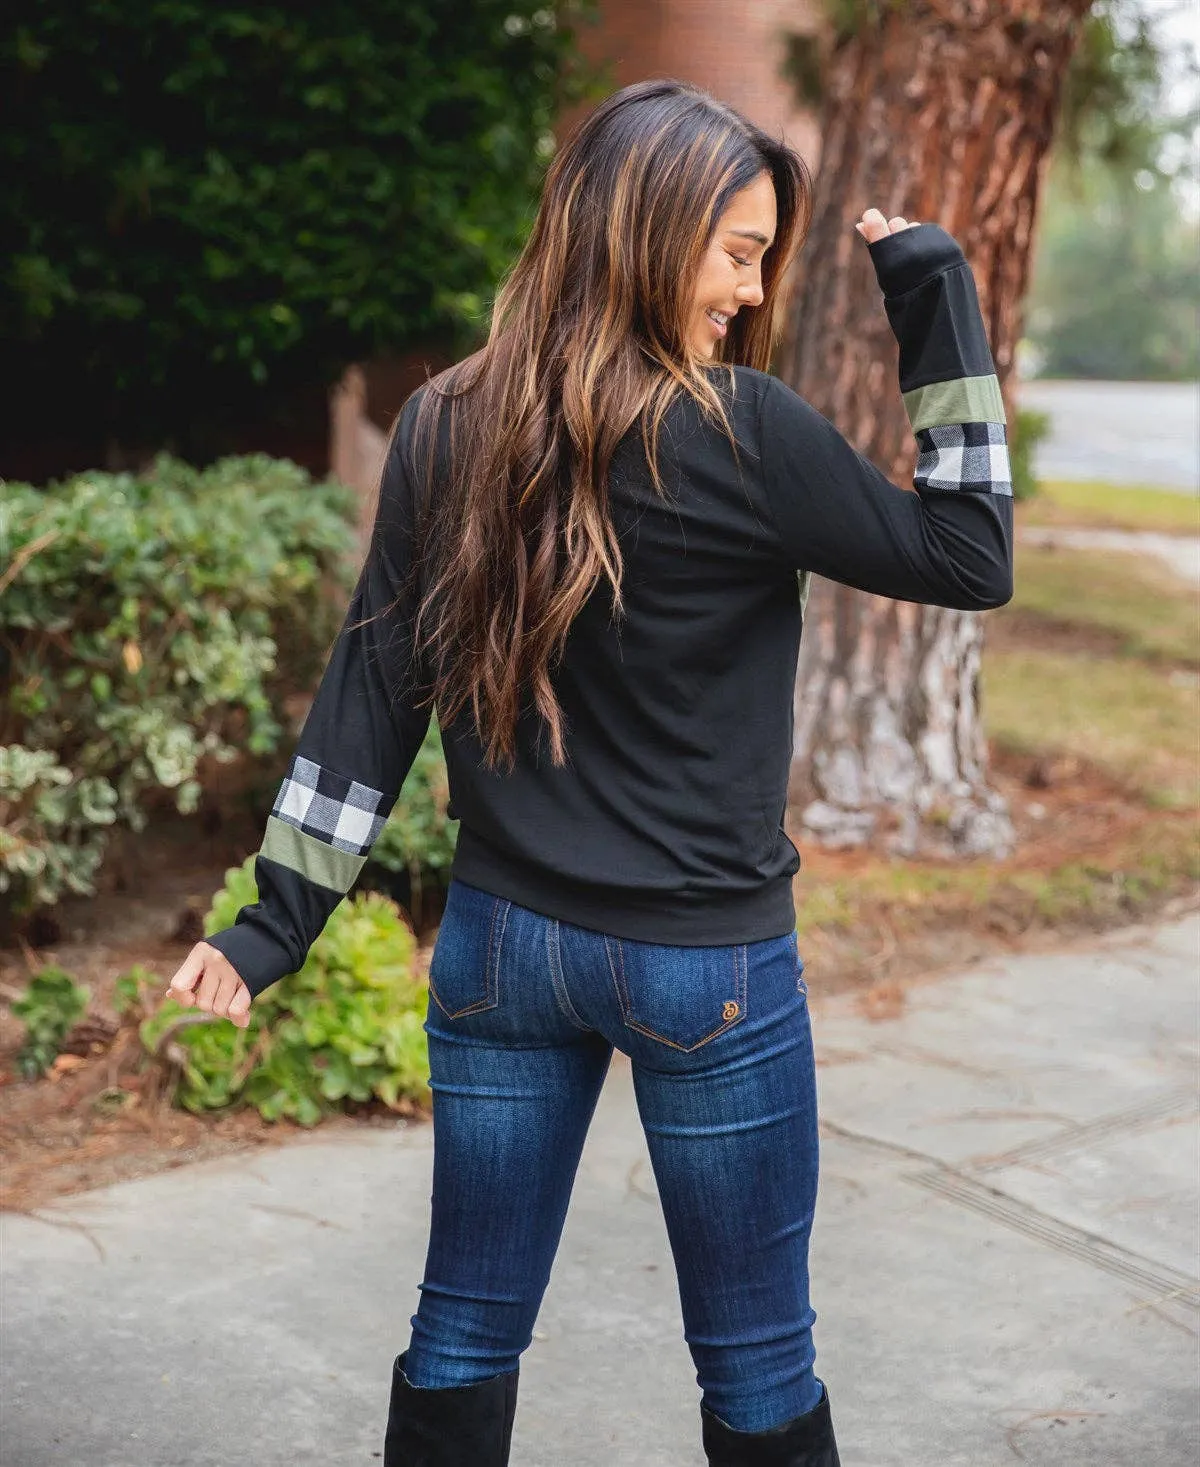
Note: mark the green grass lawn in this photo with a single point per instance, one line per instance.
(1133, 709)
(1140, 723)
(1149, 612)
(913, 897)
(1096, 505)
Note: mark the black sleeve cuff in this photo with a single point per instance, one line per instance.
(257, 958)
(906, 260)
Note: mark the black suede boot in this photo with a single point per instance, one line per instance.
(806, 1441)
(459, 1426)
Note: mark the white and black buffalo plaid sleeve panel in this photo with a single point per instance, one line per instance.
(950, 543)
(357, 745)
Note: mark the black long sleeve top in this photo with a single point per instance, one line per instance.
(666, 824)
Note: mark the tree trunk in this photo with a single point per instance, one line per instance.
(942, 112)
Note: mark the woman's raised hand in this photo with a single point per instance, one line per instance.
(873, 225)
(209, 980)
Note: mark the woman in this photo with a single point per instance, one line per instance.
(591, 552)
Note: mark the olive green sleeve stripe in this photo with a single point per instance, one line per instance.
(964, 400)
(309, 857)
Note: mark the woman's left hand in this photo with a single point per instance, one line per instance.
(873, 225)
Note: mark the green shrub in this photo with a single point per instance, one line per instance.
(53, 827)
(151, 622)
(348, 1026)
(212, 208)
(50, 1007)
(1028, 430)
(419, 838)
(132, 989)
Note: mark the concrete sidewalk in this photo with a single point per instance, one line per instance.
(1004, 1260)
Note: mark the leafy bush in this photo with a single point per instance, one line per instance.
(1114, 293)
(149, 623)
(132, 988)
(211, 208)
(349, 1025)
(1028, 431)
(49, 1007)
(419, 838)
(53, 827)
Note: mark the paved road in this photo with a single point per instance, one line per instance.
(1004, 1260)
(1120, 432)
(1179, 553)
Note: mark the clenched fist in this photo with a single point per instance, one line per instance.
(209, 980)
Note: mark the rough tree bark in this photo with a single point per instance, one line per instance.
(942, 111)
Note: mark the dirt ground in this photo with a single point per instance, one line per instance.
(104, 1116)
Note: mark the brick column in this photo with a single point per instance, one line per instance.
(736, 52)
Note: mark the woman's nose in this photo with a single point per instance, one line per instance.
(750, 293)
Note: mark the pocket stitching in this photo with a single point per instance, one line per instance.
(558, 980)
(493, 992)
(740, 983)
(491, 978)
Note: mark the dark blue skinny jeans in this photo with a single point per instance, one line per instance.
(523, 1015)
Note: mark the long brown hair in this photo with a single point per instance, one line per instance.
(589, 333)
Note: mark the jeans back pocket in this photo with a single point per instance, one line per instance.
(682, 996)
(464, 972)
